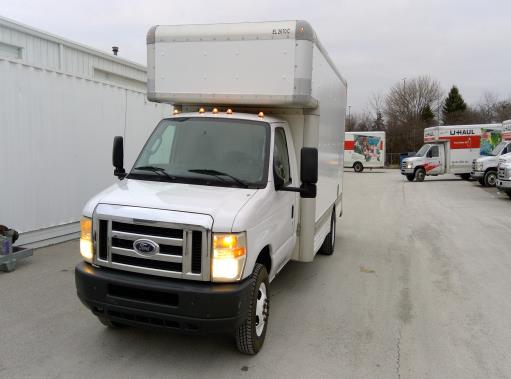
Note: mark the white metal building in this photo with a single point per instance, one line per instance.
(61, 104)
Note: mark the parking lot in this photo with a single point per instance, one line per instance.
(418, 287)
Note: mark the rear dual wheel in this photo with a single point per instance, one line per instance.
(358, 167)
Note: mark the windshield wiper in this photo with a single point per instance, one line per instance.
(155, 169)
(219, 174)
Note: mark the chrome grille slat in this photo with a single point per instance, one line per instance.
(157, 257)
(160, 240)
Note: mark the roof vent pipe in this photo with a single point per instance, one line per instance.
(115, 49)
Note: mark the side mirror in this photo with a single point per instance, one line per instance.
(118, 157)
(308, 174)
(309, 165)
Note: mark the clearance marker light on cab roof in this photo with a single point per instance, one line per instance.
(228, 111)
(176, 111)
(260, 114)
(201, 110)
(215, 110)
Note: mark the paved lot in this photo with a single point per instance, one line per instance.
(419, 286)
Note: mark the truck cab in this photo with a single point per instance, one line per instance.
(504, 174)
(484, 168)
(429, 160)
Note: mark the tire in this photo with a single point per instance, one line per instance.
(328, 246)
(465, 176)
(490, 178)
(358, 167)
(109, 323)
(508, 193)
(410, 177)
(420, 175)
(251, 333)
(481, 181)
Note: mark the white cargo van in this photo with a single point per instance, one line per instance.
(244, 177)
(484, 168)
(504, 174)
(364, 149)
(450, 149)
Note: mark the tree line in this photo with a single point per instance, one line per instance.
(412, 105)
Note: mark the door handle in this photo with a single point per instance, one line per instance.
(292, 212)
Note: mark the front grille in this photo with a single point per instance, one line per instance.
(473, 165)
(501, 173)
(180, 254)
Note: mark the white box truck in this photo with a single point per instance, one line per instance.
(484, 168)
(364, 149)
(450, 149)
(244, 177)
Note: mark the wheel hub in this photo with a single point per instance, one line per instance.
(262, 308)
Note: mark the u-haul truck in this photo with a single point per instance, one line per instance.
(484, 168)
(450, 149)
(245, 176)
(364, 149)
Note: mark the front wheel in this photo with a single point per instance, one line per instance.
(465, 176)
(508, 193)
(481, 181)
(420, 175)
(251, 333)
(490, 179)
(410, 177)
(358, 167)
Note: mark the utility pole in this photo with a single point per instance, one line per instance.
(404, 83)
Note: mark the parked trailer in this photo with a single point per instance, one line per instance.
(450, 149)
(364, 149)
(484, 168)
(61, 103)
(246, 176)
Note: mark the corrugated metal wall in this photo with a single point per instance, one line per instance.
(56, 131)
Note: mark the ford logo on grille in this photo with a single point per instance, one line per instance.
(146, 247)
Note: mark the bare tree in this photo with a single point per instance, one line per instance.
(405, 103)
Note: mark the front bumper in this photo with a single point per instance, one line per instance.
(181, 305)
(504, 185)
(477, 174)
(407, 171)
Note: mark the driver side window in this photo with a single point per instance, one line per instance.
(433, 152)
(281, 156)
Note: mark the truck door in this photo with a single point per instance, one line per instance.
(285, 210)
(435, 160)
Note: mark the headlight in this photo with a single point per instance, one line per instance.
(409, 165)
(479, 166)
(229, 254)
(86, 248)
(507, 173)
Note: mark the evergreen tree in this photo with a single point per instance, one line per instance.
(427, 115)
(454, 107)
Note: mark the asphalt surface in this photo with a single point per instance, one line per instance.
(418, 287)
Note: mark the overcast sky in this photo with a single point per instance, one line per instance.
(373, 43)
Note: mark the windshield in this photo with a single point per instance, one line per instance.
(206, 151)
(498, 149)
(422, 151)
